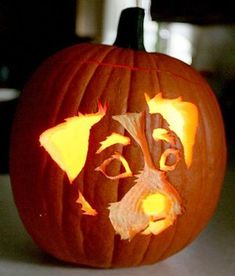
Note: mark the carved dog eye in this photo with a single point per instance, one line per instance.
(182, 118)
(171, 156)
(115, 156)
(113, 139)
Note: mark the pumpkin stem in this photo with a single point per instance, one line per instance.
(130, 31)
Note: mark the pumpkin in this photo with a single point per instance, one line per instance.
(117, 155)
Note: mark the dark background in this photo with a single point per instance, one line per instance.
(201, 12)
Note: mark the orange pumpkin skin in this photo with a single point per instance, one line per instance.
(73, 80)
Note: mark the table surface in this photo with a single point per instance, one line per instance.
(212, 253)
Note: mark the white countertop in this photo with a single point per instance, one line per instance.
(211, 254)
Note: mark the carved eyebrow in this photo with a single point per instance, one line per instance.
(163, 134)
(114, 138)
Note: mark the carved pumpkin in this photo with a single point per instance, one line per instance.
(117, 155)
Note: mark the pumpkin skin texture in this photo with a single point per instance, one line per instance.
(76, 79)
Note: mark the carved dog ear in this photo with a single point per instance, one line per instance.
(68, 142)
(182, 118)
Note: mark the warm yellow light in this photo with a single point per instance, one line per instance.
(156, 205)
(162, 134)
(125, 165)
(113, 139)
(67, 143)
(182, 118)
(156, 227)
(86, 207)
(158, 208)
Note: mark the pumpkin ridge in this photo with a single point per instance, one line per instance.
(145, 253)
(135, 68)
(158, 76)
(173, 228)
(78, 71)
(206, 161)
(155, 60)
(57, 241)
(120, 185)
(47, 161)
(55, 116)
(204, 174)
(170, 249)
(170, 241)
(101, 93)
(199, 206)
(62, 66)
(173, 231)
(93, 76)
(63, 219)
(125, 131)
(54, 88)
(116, 242)
(86, 169)
(147, 243)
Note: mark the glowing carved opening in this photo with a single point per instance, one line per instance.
(182, 118)
(113, 139)
(67, 143)
(125, 164)
(158, 208)
(163, 134)
(86, 207)
(156, 227)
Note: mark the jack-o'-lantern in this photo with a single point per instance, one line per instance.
(117, 155)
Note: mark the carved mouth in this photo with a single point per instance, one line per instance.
(149, 207)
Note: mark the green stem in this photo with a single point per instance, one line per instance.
(130, 32)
